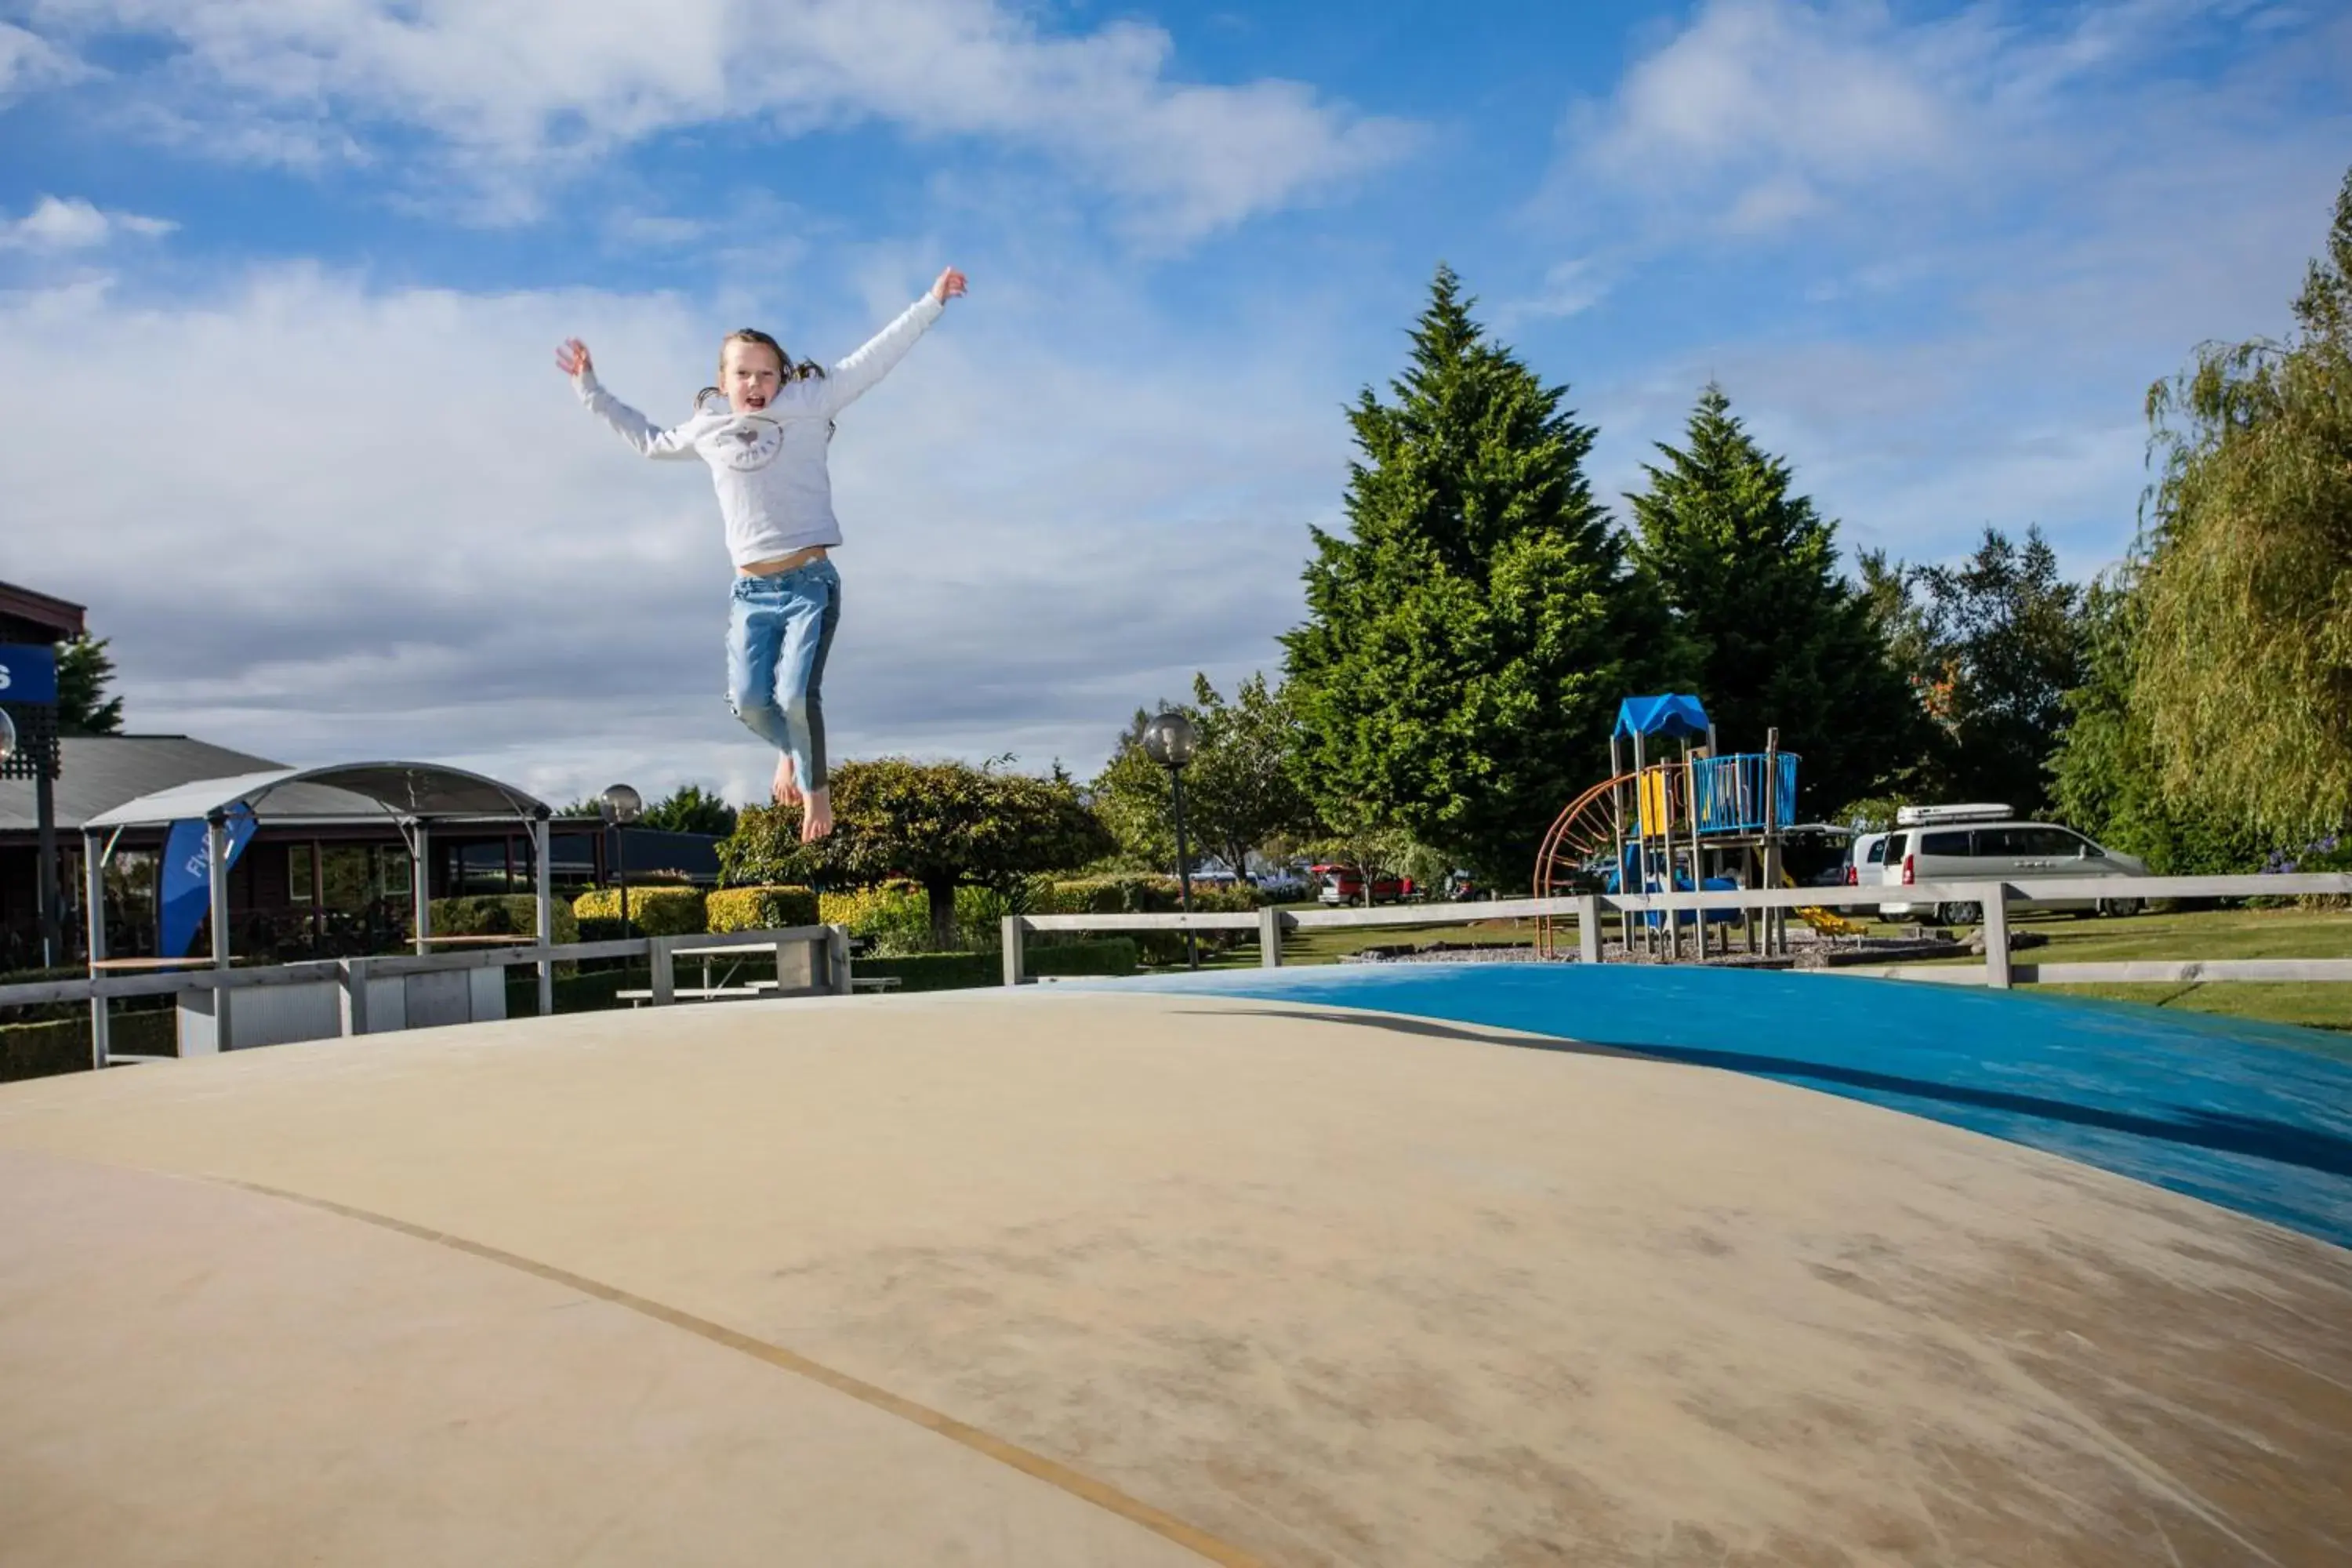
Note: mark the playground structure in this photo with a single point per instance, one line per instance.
(1696, 822)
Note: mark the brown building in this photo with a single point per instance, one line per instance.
(321, 887)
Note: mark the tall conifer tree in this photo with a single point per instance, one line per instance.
(1781, 639)
(1467, 640)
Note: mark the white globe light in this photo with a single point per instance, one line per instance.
(621, 804)
(8, 736)
(1169, 740)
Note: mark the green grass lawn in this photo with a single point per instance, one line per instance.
(2212, 934)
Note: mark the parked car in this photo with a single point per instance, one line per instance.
(1964, 843)
(1345, 885)
(1865, 859)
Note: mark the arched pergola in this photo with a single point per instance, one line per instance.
(414, 798)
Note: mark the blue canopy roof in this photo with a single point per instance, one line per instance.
(1671, 715)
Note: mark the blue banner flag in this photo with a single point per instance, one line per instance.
(28, 673)
(186, 894)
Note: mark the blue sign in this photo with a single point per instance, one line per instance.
(187, 879)
(28, 673)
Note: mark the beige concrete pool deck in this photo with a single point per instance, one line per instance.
(1059, 1276)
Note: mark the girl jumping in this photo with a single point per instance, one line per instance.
(766, 453)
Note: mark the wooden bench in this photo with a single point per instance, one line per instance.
(752, 988)
(695, 993)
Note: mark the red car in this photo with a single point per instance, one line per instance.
(1345, 885)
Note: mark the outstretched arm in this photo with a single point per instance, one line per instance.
(854, 376)
(642, 433)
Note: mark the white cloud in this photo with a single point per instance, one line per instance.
(29, 63)
(517, 91)
(1762, 115)
(1570, 288)
(378, 522)
(74, 224)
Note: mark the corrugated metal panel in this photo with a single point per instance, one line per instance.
(100, 772)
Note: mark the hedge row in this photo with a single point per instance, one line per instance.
(62, 1044)
(968, 971)
(653, 911)
(759, 909)
(503, 914)
(1140, 895)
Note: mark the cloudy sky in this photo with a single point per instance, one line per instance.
(279, 285)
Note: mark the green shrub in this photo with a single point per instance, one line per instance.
(761, 909)
(1131, 893)
(653, 911)
(893, 918)
(503, 914)
(968, 971)
(62, 1044)
(1136, 894)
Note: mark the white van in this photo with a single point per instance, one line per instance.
(1984, 843)
(1865, 859)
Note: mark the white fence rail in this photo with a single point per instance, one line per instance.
(811, 961)
(1586, 910)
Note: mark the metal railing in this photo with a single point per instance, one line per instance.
(1588, 909)
(811, 961)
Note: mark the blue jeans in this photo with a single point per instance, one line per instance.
(779, 630)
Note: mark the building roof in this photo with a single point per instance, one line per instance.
(29, 616)
(99, 772)
(342, 793)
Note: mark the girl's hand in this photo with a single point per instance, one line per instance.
(950, 286)
(572, 357)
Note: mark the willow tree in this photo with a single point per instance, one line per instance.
(2243, 669)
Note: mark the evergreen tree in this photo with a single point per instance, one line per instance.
(84, 672)
(2008, 635)
(1467, 642)
(690, 809)
(1781, 639)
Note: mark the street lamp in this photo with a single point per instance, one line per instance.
(1169, 740)
(619, 806)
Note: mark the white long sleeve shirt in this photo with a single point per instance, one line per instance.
(768, 465)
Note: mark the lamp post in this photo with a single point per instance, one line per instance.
(619, 806)
(1169, 740)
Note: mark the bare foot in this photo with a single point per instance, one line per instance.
(817, 816)
(786, 788)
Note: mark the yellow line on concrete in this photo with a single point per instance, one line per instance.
(1028, 1462)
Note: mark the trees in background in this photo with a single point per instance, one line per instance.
(1467, 639)
(1240, 790)
(940, 825)
(1779, 636)
(85, 671)
(2241, 668)
(691, 808)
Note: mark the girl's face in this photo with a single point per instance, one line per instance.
(750, 374)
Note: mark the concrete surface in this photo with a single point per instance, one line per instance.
(1045, 1278)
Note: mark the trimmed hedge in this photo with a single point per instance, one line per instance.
(505, 914)
(653, 911)
(759, 909)
(1137, 894)
(62, 1044)
(1131, 893)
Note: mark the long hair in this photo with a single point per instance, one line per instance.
(801, 371)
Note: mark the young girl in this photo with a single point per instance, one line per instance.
(766, 453)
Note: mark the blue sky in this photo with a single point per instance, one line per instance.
(279, 283)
